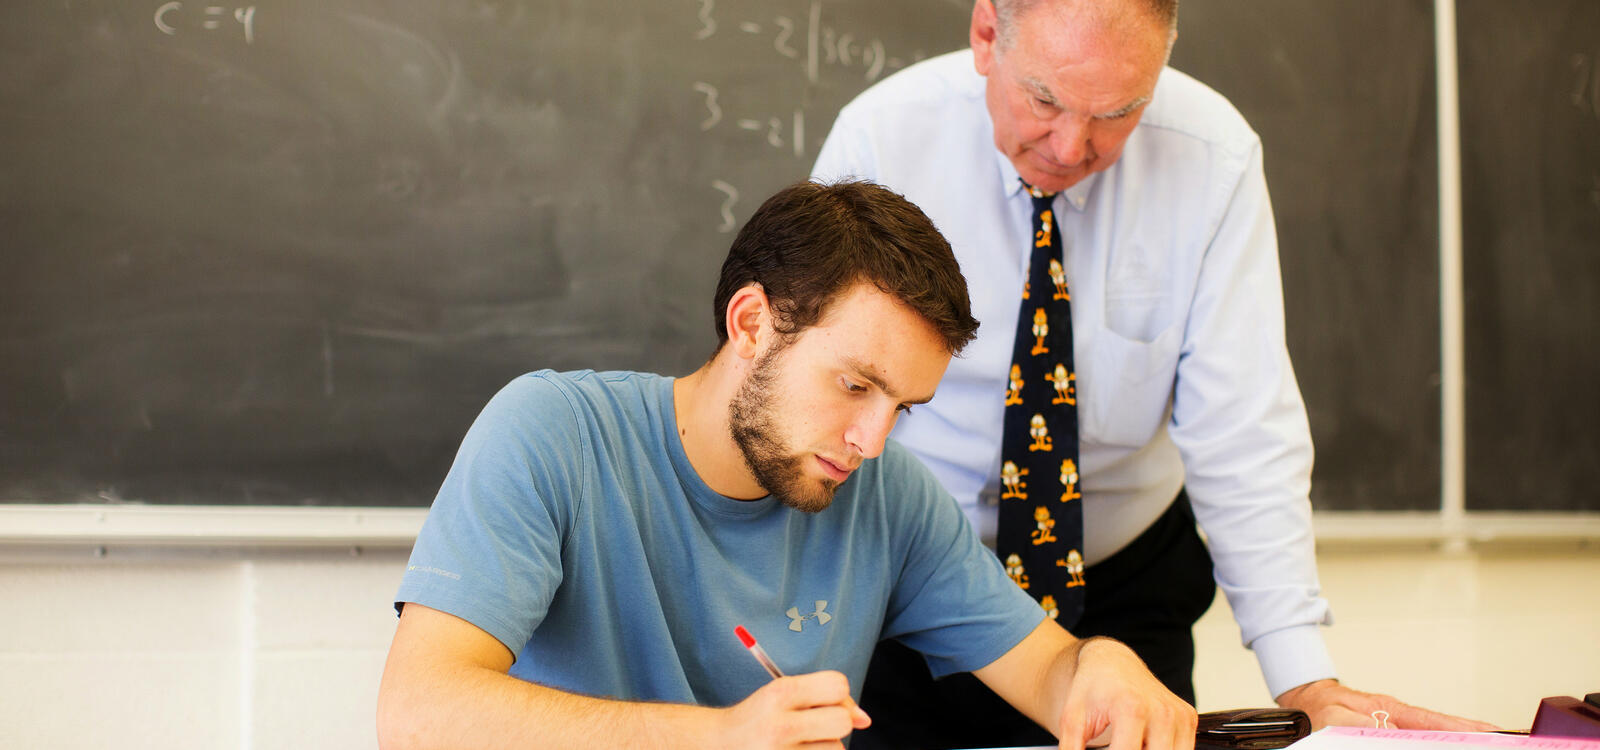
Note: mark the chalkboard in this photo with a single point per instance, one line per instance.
(1530, 128)
(280, 252)
(1342, 95)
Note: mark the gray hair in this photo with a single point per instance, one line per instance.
(1165, 11)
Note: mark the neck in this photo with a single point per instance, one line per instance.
(700, 401)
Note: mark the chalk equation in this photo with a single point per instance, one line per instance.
(771, 127)
(730, 197)
(818, 43)
(815, 47)
(171, 17)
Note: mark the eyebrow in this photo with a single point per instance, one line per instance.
(860, 369)
(1127, 110)
(1038, 89)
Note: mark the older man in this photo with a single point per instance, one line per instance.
(1100, 200)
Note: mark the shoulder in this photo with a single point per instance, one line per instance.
(549, 407)
(900, 484)
(1184, 107)
(944, 84)
(886, 133)
(580, 390)
(899, 463)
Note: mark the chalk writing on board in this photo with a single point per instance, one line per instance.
(825, 45)
(732, 197)
(171, 17)
(714, 112)
(816, 45)
(781, 41)
(771, 127)
(708, 25)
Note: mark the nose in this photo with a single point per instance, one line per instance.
(868, 432)
(1071, 138)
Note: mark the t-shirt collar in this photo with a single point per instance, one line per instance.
(693, 486)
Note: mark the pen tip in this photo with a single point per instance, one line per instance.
(744, 636)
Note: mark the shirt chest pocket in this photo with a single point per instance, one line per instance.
(1124, 398)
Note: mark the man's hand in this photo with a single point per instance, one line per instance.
(445, 685)
(1115, 700)
(792, 711)
(1330, 704)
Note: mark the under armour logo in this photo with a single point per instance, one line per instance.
(795, 618)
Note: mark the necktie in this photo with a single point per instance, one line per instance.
(1040, 533)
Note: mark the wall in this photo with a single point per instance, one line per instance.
(257, 650)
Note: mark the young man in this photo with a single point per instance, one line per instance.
(600, 536)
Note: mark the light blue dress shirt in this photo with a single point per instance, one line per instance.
(1184, 378)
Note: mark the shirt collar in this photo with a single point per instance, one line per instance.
(1077, 195)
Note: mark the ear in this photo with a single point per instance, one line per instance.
(982, 35)
(749, 321)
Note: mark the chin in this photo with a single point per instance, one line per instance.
(815, 501)
(1054, 180)
(1055, 183)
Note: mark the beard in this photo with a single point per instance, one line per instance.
(755, 430)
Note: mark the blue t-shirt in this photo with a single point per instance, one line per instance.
(573, 529)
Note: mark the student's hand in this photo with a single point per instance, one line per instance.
(791, 711)
(1329, 703)
(1115, 701)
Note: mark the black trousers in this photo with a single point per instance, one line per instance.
(1148, 595)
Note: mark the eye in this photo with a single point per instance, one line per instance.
(854, 387)
(903, 408)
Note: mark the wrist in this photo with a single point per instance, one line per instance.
(1101, 644)
(1301, 695)
(652, 724)
(1100, 652)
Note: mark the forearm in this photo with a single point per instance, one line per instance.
(1087, 689)
(475, 707)
(1054, 682)
(1036, 675)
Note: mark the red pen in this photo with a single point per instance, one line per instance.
(749, 642)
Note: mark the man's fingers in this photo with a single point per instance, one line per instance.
(818, 707)
(1407, 716)
(1168, 727)
(1183, 728)
(1073, 728)
(1340, 716)
(819, 724)
(1128, 729)
(858, 718)
(812, 689)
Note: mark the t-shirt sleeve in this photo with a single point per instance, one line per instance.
(490, 549)
(951, 600)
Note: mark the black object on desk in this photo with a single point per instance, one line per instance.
(1568, 717)
(1251, 729)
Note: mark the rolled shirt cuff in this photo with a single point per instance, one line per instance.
(1292, 657)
